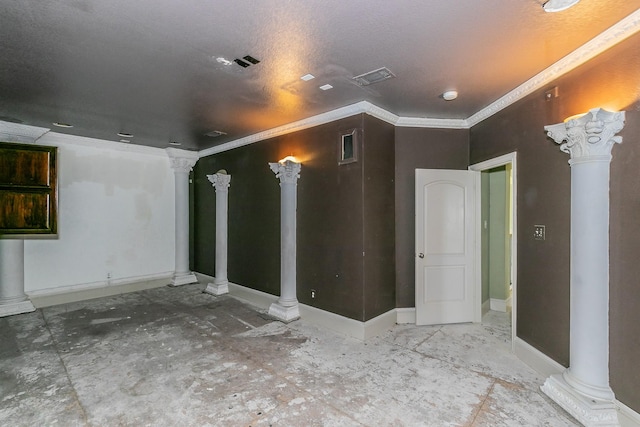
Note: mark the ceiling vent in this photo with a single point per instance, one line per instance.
(246, 61)
(215, 133)
(374, 76)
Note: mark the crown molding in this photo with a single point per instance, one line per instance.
(15, 132)
(614, 35)
(418, 122)
(312, 121)
(331, 116)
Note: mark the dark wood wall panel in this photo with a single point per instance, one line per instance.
(28, 193)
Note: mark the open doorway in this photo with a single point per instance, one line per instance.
(496, 242)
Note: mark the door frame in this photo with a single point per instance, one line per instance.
(503, 160)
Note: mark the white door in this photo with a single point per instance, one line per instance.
(445, 245)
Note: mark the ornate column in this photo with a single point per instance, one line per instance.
(220, 181)
(583, 389)
(13, 300)
(182, 162)
(286, 308)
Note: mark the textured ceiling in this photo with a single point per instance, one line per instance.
(148, 67)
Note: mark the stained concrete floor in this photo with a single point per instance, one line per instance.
(178, 357)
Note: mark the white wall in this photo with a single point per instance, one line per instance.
(116, 215)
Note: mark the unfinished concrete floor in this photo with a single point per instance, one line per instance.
(178, 357)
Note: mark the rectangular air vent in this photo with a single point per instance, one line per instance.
(246, 61)
(374, 76)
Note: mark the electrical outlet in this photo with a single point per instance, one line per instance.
(109, 275)
(313, 293)
(539, 232)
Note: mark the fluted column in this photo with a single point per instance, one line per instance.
(286, 308)
(182, 162)
(13, 300)
(220, 181)
(583, 389)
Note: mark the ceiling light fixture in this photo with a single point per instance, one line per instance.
(223, 61)
(62, 125)
(307, 77)
(326, 87)
(450, 95)
(175, 143)
(215, 133)
(124, 135)
(558, 5)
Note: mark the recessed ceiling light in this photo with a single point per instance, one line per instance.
(558, 5)
(450, 95)
(215, 133)
(307, 77)
(175, 143)
(223, 61)
(326, 87)
(125, 135)
(62, 125)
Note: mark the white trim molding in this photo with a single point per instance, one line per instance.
(406, 316)
(498, 304)
(509, 158)
(84, 291)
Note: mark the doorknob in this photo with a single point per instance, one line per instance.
(421, 255)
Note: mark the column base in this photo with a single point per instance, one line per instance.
(285, 314)
(16, 308)
(587, 410)
(183, 279)
(217, 288)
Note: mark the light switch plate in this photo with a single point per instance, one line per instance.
(539, 232)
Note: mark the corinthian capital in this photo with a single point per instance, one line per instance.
(591, 135)
(182, 160)
(287, 171)
(220, 180)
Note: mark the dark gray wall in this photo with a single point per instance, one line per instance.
(419, 148)
(379, 217)
(337, 207)
(611, 80)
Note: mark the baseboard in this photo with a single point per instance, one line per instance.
(406, 316)
(498, 305)
(316, 316)
(66, 294)
(546, 366)
(627, 416)
(486, 306)
(536, 359)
